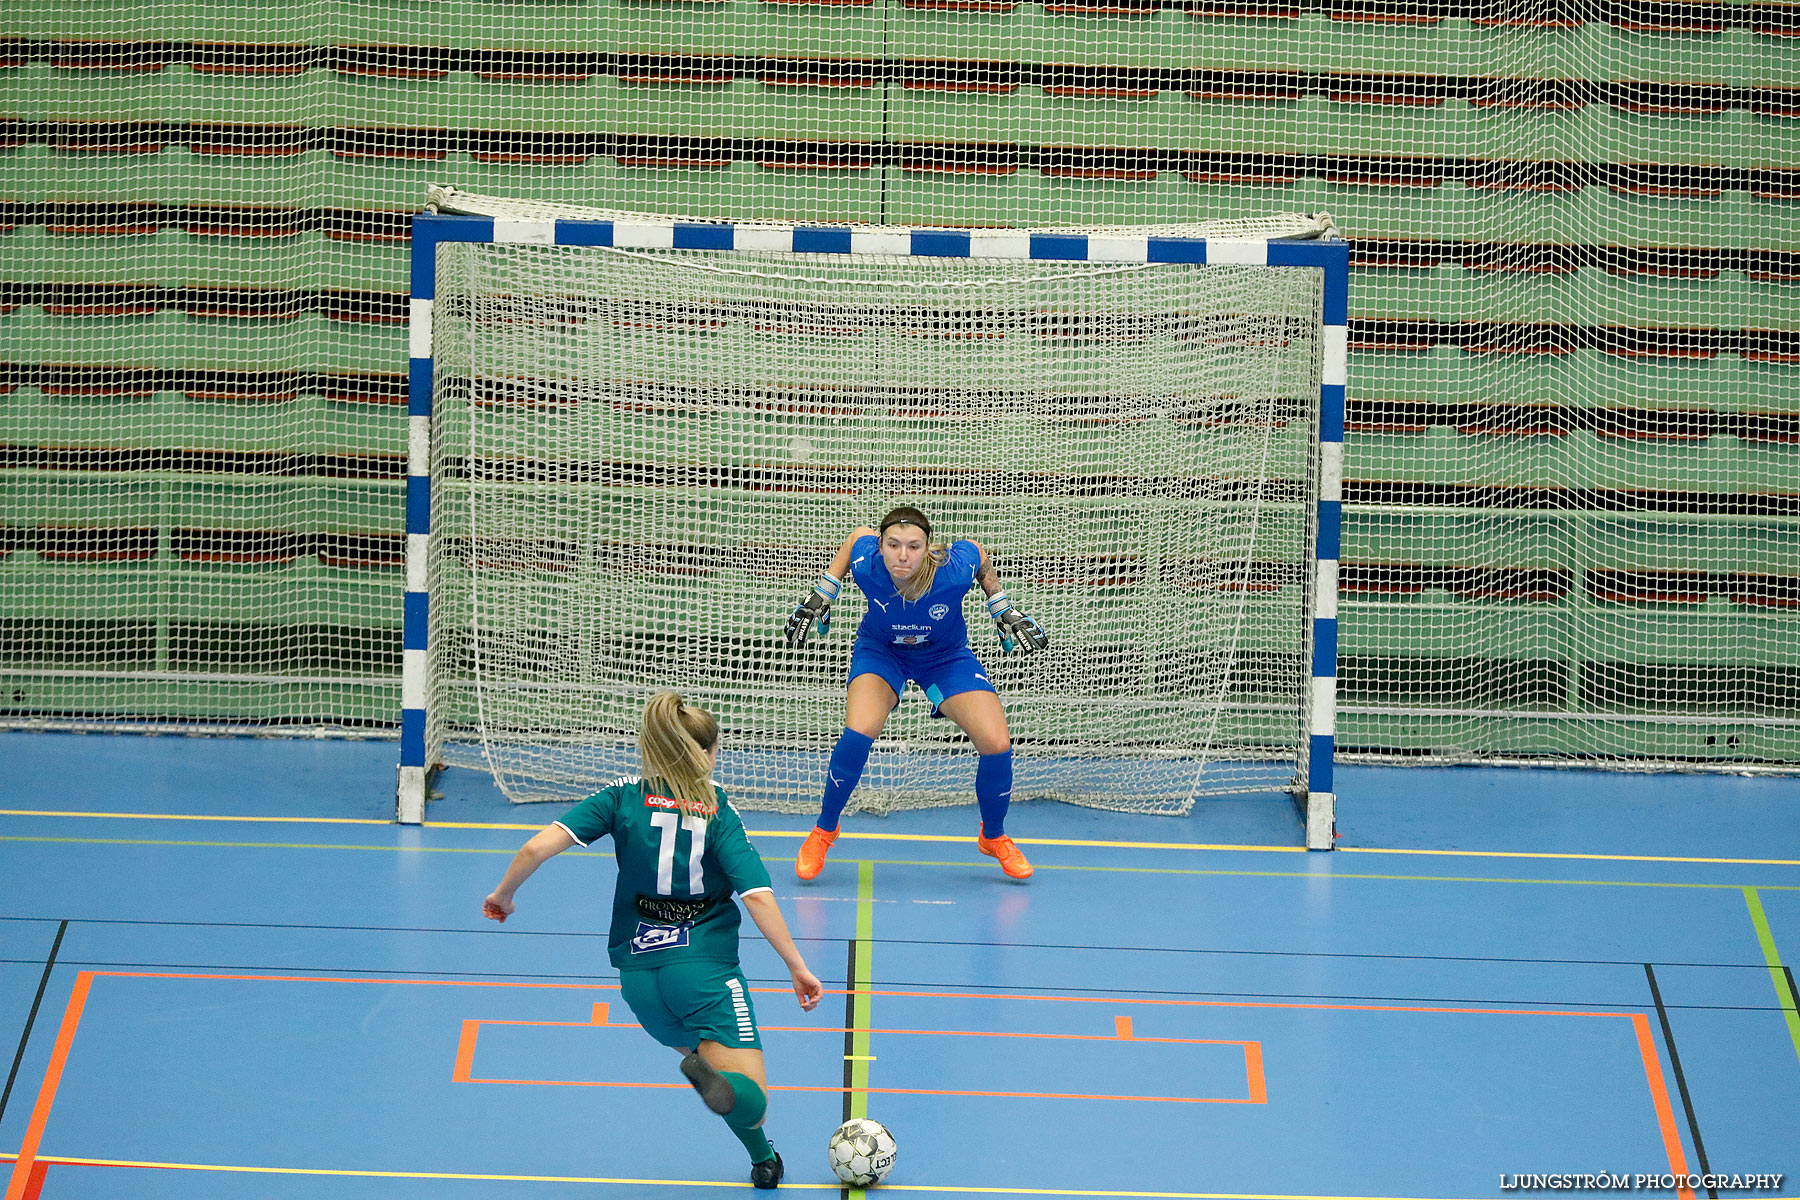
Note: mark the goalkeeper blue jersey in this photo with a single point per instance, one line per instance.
(677, 873)
(933, 622)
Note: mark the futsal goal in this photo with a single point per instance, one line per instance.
(636, 440)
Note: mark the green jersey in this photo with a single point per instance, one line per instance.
(677, 873)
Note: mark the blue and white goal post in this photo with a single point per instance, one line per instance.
(1175, 610)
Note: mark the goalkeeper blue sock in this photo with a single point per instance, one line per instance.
(848, 758)
(993, 791)
(747, 1113)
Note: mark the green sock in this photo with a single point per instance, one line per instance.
(752, 1103)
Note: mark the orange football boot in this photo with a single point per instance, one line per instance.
(1012, 859)
(811, 859)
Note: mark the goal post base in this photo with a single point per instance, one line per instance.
(412, 787)
(1319, 810)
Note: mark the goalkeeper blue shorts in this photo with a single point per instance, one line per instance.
(940, 674)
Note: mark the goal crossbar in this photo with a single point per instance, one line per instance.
(1327, 255)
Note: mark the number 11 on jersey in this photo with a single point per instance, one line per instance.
(665, 855)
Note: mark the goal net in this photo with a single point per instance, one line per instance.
(641, 456)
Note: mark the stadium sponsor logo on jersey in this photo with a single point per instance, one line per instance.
(939, 611)
(659, 937)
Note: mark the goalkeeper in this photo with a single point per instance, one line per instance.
(682, 853)
(914, 631)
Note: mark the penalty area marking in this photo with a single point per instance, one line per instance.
(29, 1165)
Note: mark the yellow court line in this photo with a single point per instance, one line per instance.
(133, 816)
(1652, 858)
(1732, 885)
(1094, 843)
(847, 835)
(345, 1173)
(1109, 1195)
(67, 1161)
(853, 835)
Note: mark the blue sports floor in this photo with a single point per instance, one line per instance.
(223, 973)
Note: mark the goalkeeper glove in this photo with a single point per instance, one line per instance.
(1014, 626)
(816, 607)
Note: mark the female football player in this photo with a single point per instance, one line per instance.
(914, 631)
(682, 853)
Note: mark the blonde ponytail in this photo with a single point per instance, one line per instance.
(673, 745)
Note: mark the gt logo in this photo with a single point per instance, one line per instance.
(659, 937)
(939, 611)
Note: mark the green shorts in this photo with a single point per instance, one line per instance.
(684, 1003)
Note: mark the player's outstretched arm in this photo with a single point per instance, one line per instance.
(767, 915)
(544, 845)
(816, 607)
(1014, 627)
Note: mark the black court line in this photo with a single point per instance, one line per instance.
(1334, 955)
(314, 926)
(1111, 948)
(1026, 992)
(31, 1019)
(850, 985)
(923, 987)
(366, 974)
(1687, 1101)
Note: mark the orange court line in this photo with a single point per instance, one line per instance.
(782, 991)
(1422, 1008)
(474, 983)
(881, 1091)
(1253, 1067)
(1659, 1095)
(463, 1072)
(883, 1029)
(1123, 1024)
(465, 1043)
(21, 1177)
(40, 1170)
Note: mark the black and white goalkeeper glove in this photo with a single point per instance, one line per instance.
(1014, 626)
(816, 607)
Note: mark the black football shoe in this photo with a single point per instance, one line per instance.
(766, 1175)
